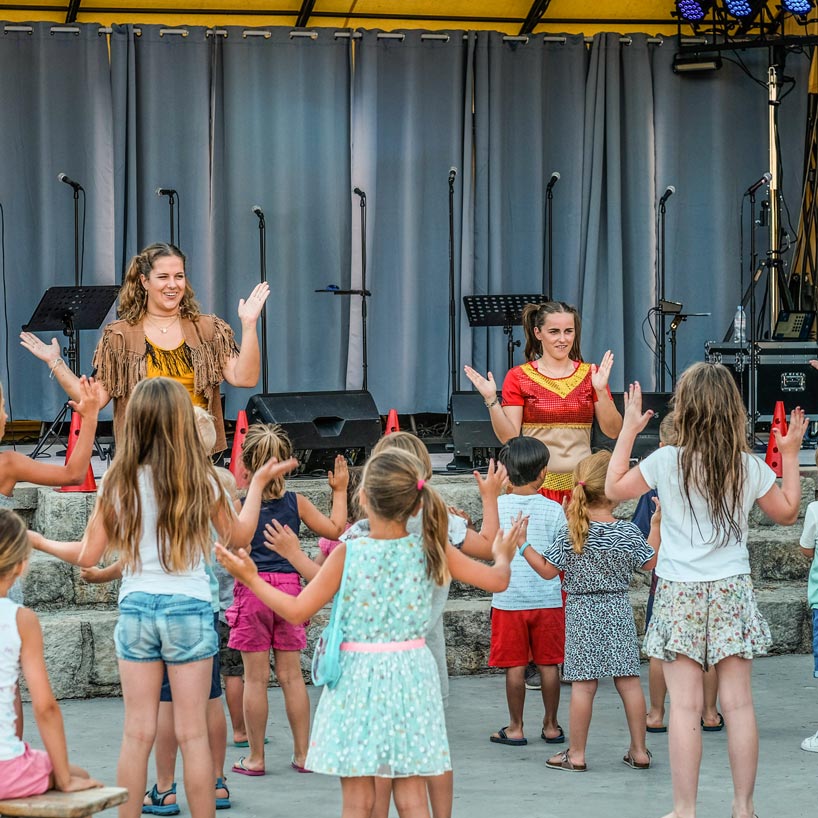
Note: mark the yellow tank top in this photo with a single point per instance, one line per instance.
(173, 363)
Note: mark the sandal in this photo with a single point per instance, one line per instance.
(558, 739)
(222, 803)
(157, 805)
(564, 763)
(628, 759)
(500, 737)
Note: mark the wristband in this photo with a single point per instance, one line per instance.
(522, 548)
(53, 366)
(491, 403)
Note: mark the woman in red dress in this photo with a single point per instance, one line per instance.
(554, 396)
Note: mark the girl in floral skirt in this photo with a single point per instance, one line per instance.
(705, 611)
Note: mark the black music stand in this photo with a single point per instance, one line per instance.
(504, 311)
(70, 309)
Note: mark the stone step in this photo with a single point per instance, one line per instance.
(79, 646)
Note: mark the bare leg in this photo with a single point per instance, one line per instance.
(164, 753)
(410, 794)
(441, 794)
(710, 713)
(629, 689)
(684, 684)
(657, 691)
(296, 700)
(358, 795)
(190, 685)
(383, 797)
(234, 695)
(550, 675)
(742, 733)
(579, 714)
(256, 679)
(141, 682)
(217, 739)
(515, 698)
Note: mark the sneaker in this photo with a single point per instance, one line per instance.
(810, 744)
(532, 677)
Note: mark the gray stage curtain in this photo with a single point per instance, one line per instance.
(161, 96)
(528, 122)
(281, 141)
(711, 144)
(408, 130)
(55, 97)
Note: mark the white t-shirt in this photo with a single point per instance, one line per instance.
(152, 578)
(527, 590)
(10, 644)
(690, 550)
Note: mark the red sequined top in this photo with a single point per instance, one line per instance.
(558, 411)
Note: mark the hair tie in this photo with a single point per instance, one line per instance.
(421, 484)
(581, 483)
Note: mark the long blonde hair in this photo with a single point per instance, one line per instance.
(263, 441)
(589, 491)
(133, 299)
(711, 423)
(407, 442)
(394, 488)
(15, 545)
(160, 433)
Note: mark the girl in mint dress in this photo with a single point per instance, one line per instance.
(384, 718)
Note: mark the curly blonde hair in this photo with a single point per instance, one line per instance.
(133, 299)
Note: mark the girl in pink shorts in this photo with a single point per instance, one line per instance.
(254, 628)
(24, 771)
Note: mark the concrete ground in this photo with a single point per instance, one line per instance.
(493, 780)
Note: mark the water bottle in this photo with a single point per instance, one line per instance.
(740, 326)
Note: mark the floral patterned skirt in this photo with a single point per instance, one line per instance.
(707, 621)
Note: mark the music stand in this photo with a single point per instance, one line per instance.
(504, 311)
(70, 309)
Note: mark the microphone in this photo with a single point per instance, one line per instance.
(764, 180)
(452, 174)
(258, 211)
(669, 191)
(358, 192)
(166, 191)
(555, 177)
(76, 185)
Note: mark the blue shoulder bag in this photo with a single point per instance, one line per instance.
(326, 659)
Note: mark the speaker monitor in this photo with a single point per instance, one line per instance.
(473, 438)
(321, 421)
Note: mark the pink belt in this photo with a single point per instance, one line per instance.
(383, 647)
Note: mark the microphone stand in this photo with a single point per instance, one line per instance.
(549, 222)
(74, 361)
(752, 380)
(172, 203)
(452, 313)
(262, 262)
(363, 291)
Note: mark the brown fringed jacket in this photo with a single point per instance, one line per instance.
(120, 363)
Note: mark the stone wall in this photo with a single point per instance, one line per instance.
(78, 619)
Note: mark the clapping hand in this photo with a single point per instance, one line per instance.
(600, 374)
(45, 352)
(485, 386)
(250, 310)
(90, 399)
(791, 442)
(507, 542)
(634, 419)
(493, 484)
(338, 478)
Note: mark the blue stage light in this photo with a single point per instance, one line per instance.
(693, 10)
(739, 8)
(799, 6)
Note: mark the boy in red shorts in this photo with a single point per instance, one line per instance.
(528, 619)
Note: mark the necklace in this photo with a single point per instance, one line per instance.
(161, 329)
(544, 370)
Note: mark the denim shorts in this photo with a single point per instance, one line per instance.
(169, 628)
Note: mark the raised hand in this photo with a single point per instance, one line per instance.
(45, 352)
(634, 419)
(485, 386)
(250, 310)
(90, 399)
(238, 565)
(600, 374)
(790, 443)
(493, 484)
(507, 542)
(338, 478)
(281, 539)
(272, 469)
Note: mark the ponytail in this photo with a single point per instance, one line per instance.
(435, 534)
(533, 317)
(578, 520)
(589, 476)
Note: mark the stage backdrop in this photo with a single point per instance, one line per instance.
(234, 118)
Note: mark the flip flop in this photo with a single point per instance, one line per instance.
(628, 759)
(246, 743)
(554, 739)
(662, 728)
(157, 805)
(239, 768)
(565, 764)
(713, 728)
(297, 768)
(222, 803)
(502, 738)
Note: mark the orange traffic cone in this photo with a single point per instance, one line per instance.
(89, 484)
(773, 458)
(392, 422)
(236, 466)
